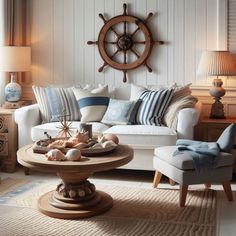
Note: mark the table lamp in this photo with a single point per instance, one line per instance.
(217, 63)
(14, 59)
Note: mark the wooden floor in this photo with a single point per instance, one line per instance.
(226, 212)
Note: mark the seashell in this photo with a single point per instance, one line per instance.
(73, 139)
(73, 154)
(82, 137)
(71, 142)
(109, 143)
(102, 139)
(112, 137)
(95, 136)
(81, 146)
(57, 144)
(55, 155)
(91, 143)
(97, 145)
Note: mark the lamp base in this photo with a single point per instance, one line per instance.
(13, 90)
(217, 91)
(217, 110)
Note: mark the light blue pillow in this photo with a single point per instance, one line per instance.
(226, 139)
(120, 112)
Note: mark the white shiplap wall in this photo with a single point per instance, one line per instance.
(232, 26)
(60, 30)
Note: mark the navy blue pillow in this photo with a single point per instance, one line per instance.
(226, 139)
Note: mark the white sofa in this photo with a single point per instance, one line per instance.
(143, 138)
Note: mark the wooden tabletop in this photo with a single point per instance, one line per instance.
(118, 157)
(227, 120)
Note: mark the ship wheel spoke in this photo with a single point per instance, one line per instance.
(125, 9)
(159, 42)
(92, 42)
(125, 27)
(125, 57)
(139, 42)
(103, 18)
(148, 67)
(125, 76)
(148, 17)
(115, 53)
(112, 29)
(137, 29)
(102, 67)
(107, 42)
(134, 52)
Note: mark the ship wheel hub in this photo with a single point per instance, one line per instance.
(125, 42)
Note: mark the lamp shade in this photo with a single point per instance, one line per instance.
(15, 59)
(216, 63)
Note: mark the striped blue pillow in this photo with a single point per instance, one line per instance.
(153, 107)
(53, 102)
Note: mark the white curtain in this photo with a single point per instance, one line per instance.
(12, 31)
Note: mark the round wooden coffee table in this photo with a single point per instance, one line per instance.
(75, 197)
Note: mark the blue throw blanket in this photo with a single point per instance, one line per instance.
(204, 154)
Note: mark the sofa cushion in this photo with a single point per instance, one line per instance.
(121, 112)
(184, 161)
(54, 102)
(92, 104)
(37, 132)
(145, 136)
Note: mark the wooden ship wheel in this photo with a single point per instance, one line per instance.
(125, 42)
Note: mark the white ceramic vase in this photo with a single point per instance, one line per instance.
(13, 90)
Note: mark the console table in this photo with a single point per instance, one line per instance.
(75, 197)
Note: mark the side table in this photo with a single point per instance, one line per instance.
(8, 140)
(212, 129)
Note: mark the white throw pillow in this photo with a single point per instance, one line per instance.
(136, 91)
(92, 104)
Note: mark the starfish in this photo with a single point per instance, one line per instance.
(65, 126)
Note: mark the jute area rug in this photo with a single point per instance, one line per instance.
(136, 211)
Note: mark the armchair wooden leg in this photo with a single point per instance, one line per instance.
(172, 182)
(156, 179)
(207, 185)
(228, 190)
(182, 195)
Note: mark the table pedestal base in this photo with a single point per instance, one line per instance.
(50, 205)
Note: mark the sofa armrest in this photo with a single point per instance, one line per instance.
(26, 117)
(187, 119)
